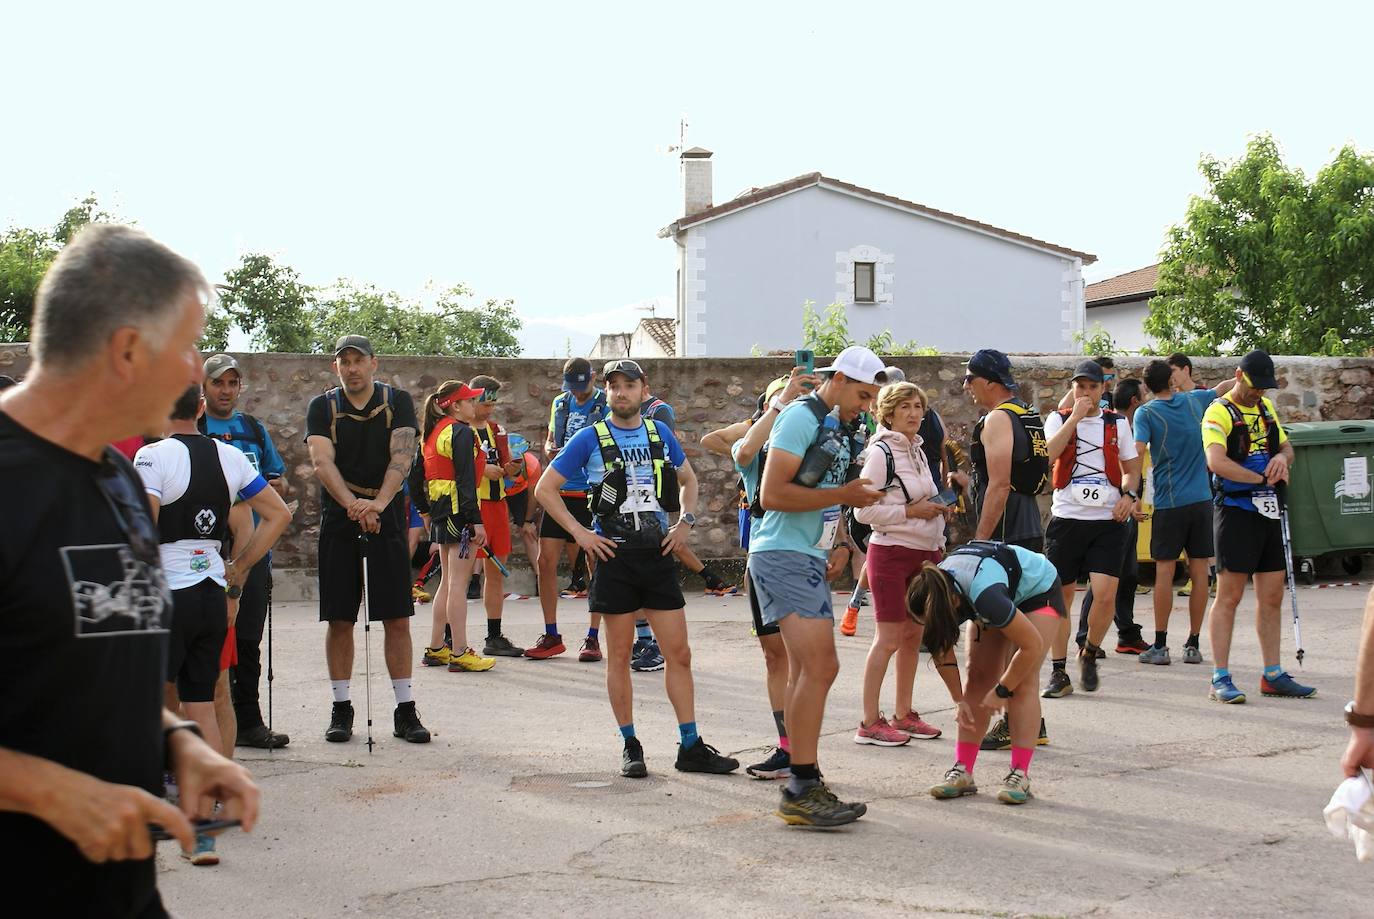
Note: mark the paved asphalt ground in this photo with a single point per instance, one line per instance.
(1150, 800)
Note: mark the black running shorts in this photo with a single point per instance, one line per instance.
(635, 579)
(577, 505)
(1078, 548)
(1248, 542)
(1175, 530)
(341, 575)
(200, 620)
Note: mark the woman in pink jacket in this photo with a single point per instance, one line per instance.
(908, 530)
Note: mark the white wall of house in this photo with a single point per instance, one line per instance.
(744, 276)
(1124, 322)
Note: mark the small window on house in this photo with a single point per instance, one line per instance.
(863, 282)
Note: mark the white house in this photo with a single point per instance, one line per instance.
(1120, 304)
(746, 267)
(653, 337)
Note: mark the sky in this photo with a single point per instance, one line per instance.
(521, 148)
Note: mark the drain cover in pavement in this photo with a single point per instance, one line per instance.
(587, 783)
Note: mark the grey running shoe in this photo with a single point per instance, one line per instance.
(1191, 655)
(1155, 656)
(1015, 788)
(500, 646)
(1060, 686)
(1087, 670)
(958, 782)
(816, 806)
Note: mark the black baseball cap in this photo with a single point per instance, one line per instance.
(626, 366)
(991, 365)
(1258, 368)
(1091, 370)
(356, 342)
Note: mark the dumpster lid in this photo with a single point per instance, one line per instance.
(1330, 432)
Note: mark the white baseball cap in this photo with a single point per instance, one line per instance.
(859, 364)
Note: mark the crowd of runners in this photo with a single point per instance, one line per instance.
(845, 467)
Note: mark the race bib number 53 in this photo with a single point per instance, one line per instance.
(1267, 503)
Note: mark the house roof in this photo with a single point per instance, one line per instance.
(1133, 285)
(760, 195)
(663, 330)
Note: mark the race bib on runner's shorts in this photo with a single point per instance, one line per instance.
(1266, 502)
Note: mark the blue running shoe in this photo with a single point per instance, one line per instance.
(1223, 690)
(645, 657)
(1285, 686)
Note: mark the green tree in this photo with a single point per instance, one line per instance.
(25, 255)
(400, 326)
(1096, 341)
(829, 334)
(1267, 259)
(489, 330)
(268, 302)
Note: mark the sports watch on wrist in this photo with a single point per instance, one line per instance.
(167, 733)
(688, 518)
(233, 591)
(1002, 691)
(1355, 719)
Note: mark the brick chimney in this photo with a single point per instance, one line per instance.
(696, 180)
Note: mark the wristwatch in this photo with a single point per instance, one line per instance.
(167, 733)
(1002, 691)
(688, 518)
(233, 591)
(1355, 719)
(1133, 495)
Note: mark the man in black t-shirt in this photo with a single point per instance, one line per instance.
(84, 737)
(361, 437)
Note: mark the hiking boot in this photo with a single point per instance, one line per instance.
(547, 646)
(1087, 669)
(475, 587)
(913, 725)
(816, 806)
(632, 760)
(778, 765)
(590, 652)
(1060, 685)
(957, 783)
(1223, 690)
(469, 662)
(1286, 687)
(340, 723)
(1155, 656)
(646, 657)
(849, 624)
(259, 736)
(998, 736)
(441, 656)
(501, 646)
(702, 757)
(203, 855)
(1043, 738)
(407, 724)
(1192, 654)
(1135, 645)
(1015, 788)
(881, 734)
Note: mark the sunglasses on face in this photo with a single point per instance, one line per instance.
(487, 398)
(130, 513)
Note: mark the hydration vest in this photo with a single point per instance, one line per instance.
(1238, 449)
(1001, 552)
(1064, 465)
(438, 468)
(1028, 474)
(203, 511)
(256, 432)
(606, 496)
(341, 408)
(488, 442)
(562, 409)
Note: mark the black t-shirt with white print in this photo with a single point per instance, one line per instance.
(83, 645)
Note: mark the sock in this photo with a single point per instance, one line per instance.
(1272, 673)
(642, 629)
(712, 579)
(966, 753)
(783, 744)
(493, 628)
(1021, 758)
(551, 628)
(340, 688)
(627, 730)
(803, 777)
(688, 732)
(856, 599)
(402, 690)
(593, 634)
(1058, 663)
(1192, 641)
(1161, 638)
(1220, 673)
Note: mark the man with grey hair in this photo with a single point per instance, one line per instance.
(84, 737)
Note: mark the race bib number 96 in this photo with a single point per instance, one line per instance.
(1092, 493)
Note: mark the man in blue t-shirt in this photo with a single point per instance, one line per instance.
(631, 467)
(794, 550)
(223, 421)
(1170, 425)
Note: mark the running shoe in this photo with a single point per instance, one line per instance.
(1015, 788)
(1060, 685)
(340, 723)
(816, 806)
(261, 737)
(1186, 590)
(632, 760)
(913, 725)
(881, 734)
(547, 646)
(702, 757)
(470, 662)
(778, 765)
(849, 624)
(1155, 656)
(590, 652)
(1087, 671)
(501, 646)
(646, 657)
(475, 587)
(419, 594)
(1223, 690)
(957, 783)
(1192, 654)
(441, 656)
(724, 590)
(998, 736)
(407, 724)
(203, 855)
(1142, 589)
(1286, 687)
(574, 591)
(1131, 646)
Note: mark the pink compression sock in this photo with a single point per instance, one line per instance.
(1021, 757)
(784, 745)
(966, 753)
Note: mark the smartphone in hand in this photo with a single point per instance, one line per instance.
(947, 498)
(805, 358)
(200, 826)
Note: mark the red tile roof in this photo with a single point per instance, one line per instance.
(760, 195)
(1133, 285)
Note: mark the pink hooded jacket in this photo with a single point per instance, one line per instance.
(891, 526)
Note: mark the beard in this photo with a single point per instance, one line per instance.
(625, 413)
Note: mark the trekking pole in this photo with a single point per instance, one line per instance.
(1280, 490)
(367, 645)
(269, 659)
(505, 572)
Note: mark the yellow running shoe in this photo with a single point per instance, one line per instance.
(437, 657)
(469, 661)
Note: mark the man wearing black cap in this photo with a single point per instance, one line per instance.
(1249, 455)
(361, 437)
(1096, 486)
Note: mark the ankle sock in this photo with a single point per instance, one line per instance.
(493, 628)
(340, 688)
(1059, 663)
(1021, 758)
(1220, 673)
(402, 690)
(1161, 639)
(627, 730)
(804, 775)
(1192, 641)
(551, 628)
(688, 732)
(966, 752)
(1272, 673)
(593, 634)
(642, 629)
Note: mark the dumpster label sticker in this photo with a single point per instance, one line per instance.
(1353, 491)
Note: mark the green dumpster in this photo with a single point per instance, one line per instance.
(1330, 495)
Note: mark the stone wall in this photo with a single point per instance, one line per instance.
(707, 394)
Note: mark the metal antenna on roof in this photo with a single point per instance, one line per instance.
(681, 138)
